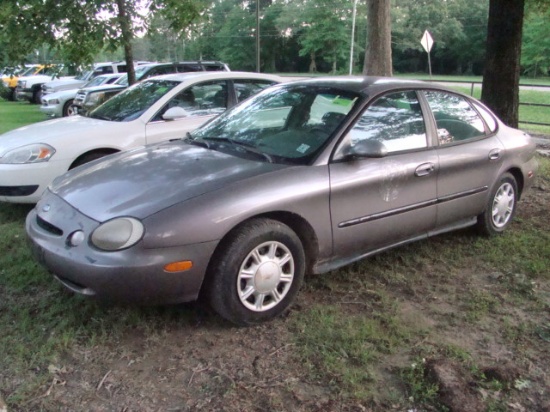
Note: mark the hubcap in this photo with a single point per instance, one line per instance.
(265, 276)
(503, 205)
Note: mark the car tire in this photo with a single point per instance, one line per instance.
(37, 96)
(501, 207)
(88, 157)
(256, 272)
(68, 109)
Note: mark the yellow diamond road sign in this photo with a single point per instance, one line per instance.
(427, 41)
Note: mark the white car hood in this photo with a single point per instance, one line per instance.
(63, 95)
(52, 131)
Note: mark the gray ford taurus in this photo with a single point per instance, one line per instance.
(304, 177)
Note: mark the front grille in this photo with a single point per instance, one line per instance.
(48, 227)
(80, 97)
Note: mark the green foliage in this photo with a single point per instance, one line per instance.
(535, 57)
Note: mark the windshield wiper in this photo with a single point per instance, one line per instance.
(252, 149)
(199, 142)
(238, 145)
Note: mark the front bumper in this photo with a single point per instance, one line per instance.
(55, 110)
(133, 275)
(16, 180)
(23, 94)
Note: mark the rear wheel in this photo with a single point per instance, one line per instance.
(501, 207)
(257, 273)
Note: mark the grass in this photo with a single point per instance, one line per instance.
(17, 114)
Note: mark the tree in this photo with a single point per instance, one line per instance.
(535, 55)
(502, 62)
(79, 29)
(378, 61)
(323, 29)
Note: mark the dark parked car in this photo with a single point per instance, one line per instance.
(304, 177)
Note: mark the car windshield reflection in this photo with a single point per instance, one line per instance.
(288, 124)
(131, 103)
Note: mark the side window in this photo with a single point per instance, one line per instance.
(456, 120)
(212, 67)
(211, 96)
(248, 87)
(395, 120)
(183, 68)
(488, 117)
(199, 100)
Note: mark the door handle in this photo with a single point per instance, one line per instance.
(424, 169)
(494, 154)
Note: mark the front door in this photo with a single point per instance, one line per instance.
(377, 202)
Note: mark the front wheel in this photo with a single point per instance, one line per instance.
(68, 108)
(257, 272)
(501, 207)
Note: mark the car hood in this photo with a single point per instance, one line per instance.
(144, 181)
(65, 84)
(62, 94)
(51, 131)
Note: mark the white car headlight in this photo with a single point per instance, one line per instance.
(33, 153)
(22, 84)
(117, 234)
(52, 101)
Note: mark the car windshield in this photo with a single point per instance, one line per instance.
(123, 81)
(140, 71)
(28, 71)
(132, 102)
(286, 124)
(83, 75)
(96, 81)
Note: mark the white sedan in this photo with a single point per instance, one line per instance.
(154, 110)
(58, 104)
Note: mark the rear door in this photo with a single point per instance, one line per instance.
(469, 156)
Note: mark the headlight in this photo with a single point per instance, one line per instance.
(33, 153)
(119, 233)
(22, 84)
(94, 98)
(53, 101)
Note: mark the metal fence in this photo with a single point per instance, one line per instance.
(534, 86)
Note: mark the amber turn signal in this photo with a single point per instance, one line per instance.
(178, 266)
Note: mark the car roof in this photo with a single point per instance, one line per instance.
(110, 75)
(369, 84)
(216, 75)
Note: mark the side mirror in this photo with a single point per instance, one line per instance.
(367, 148)
(174, 113)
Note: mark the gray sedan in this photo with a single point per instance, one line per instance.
(304, 177)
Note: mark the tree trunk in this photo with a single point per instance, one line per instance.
(312, 64)
(378, 61)
(127, 36)
(502, 62)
